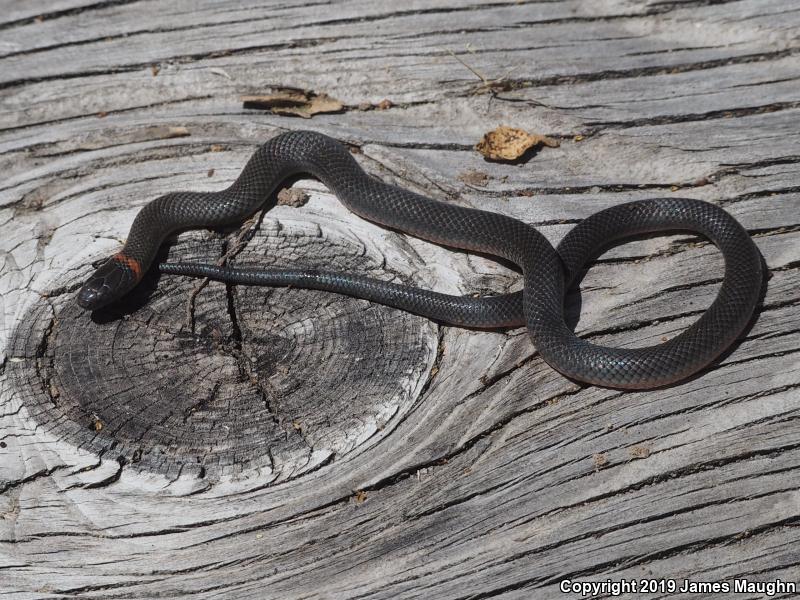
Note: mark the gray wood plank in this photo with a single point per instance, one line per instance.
(489, 475)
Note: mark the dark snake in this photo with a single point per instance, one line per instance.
(547, 272)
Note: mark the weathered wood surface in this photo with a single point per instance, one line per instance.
(467, 468)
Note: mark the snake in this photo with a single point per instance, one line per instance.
(547, 271)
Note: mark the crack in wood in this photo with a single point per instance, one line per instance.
(177, 59)
(40, 474)
(111, 479)
(66, 12)
(116, 111)
(711, 115)
(711, 542)
(636, 72)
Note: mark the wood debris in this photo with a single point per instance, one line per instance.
(384, 104)
(474, 177)
(295, 102)
(97, 424)
(293, 197)
(159, 132)
(170, 132)
(600, 460)
(508, 143)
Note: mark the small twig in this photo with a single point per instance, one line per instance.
(490, 85)
(244, 235)
(474, 71)
(190, 304)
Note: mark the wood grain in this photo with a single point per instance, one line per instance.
(460, 465)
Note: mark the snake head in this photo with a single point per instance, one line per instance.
(112, 280)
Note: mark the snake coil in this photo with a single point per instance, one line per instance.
(546, 271)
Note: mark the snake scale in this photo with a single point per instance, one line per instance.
(547, 271)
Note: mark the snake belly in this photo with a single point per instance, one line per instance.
(546, 271)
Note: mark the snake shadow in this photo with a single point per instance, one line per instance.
(140, 296)
(522, 159)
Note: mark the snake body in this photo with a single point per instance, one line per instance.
(546, 271)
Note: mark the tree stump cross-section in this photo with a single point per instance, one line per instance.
(230, 379)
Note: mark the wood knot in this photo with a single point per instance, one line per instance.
(279, 380)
